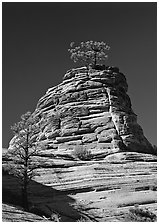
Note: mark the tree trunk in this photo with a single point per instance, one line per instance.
(25, 197)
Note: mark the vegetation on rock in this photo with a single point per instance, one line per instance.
(137, 214)
(82, 153)
(89, 52)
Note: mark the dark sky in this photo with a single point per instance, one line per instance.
(36, 37)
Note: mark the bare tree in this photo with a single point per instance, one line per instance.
(24, 147)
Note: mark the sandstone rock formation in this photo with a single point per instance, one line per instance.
(90, 109)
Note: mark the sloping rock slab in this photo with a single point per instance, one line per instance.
(13, 214)
(130, 156)
(99, 191)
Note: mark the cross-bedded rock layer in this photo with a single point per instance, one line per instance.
(90, 109)
(99, 191)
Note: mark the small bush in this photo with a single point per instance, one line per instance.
(81, 220)
(137, 214)
(55, 217)
(153, 188)
(82, 153)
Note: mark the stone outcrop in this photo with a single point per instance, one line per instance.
(97, 191)
(90, 109)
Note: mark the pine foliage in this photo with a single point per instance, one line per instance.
(89, 52)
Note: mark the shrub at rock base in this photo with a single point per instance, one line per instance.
(137, 214)
(82, 153)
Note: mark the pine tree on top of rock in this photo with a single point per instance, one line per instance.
(89, 53)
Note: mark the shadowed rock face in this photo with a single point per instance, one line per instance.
(91, 109)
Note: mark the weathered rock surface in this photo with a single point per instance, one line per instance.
(102, 190)
(14, 214)
(92, 109)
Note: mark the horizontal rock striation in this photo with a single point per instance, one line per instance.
(90, 109)
(100, 191)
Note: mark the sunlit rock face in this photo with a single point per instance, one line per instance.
(90, 109)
